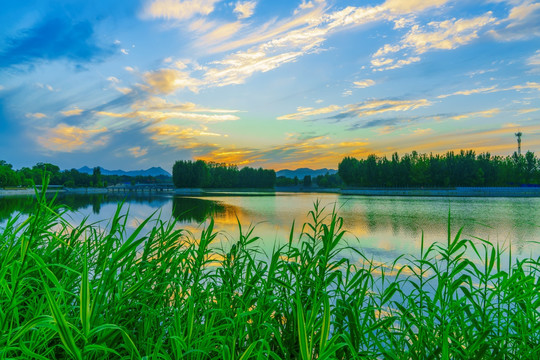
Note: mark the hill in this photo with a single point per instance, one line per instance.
(153, 171)
(300, 173)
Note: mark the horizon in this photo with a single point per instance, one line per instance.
(275, 84)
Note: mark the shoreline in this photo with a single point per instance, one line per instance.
(419, 192)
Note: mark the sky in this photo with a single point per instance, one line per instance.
(131, 84)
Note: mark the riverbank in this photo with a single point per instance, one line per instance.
(449, 192)
(435, 192)
(24, 192)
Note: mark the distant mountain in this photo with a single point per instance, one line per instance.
(300, 173)
(153, 171)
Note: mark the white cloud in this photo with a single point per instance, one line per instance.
(523, 22)
(178, 9)
(534, 60)
(124, 51)
(236, 68)
(375, 107)
(368, 108)
(364, 83)
(443, 35)
(245, 9)
(222, 32)
(45, 86)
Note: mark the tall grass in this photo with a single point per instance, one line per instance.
(90, 293)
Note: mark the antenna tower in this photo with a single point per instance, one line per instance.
(518, 135)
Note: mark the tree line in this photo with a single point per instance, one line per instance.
(26, 177)
(447, 170)
(199, 174)
(323, 181)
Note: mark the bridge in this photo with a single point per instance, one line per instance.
(164, 187)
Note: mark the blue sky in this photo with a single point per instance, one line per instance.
(278, 84)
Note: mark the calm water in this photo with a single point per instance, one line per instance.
(382, 227)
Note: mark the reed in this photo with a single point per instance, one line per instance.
(93, 292)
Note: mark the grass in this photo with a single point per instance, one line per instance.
(89, 293)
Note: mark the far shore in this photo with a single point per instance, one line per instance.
(435, 192)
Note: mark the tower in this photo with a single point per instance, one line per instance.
(518, 135)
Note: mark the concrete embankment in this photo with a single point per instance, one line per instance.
(24, 192)
(458, 192)
(28, 192)
(86, 190)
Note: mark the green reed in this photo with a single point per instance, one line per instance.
(93, 292)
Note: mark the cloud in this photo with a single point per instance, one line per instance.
(178, 9)
(407, 6)
(534, 60)
(182, 137)
(470, 92)
(156, 108)
(73, 112)
(421, 132)
(443, 35)
(222, 32)
(65, 138)
(376, 107)
(157, 103)
(236, 68)
(276, 43)
(137, 152)
(526, 111)
(394, 65)
(114, 83)
(530, 85)
(492, 89)
(303, 113)
(484, 113)
(364, 83)
(166, 115)
(523, 22)
(245, 9)
(36, 115)
(54, 39)
(166, 81)
(368, 108)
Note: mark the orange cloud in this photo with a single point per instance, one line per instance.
(65, 138)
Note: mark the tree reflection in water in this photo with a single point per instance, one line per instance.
(195, 210)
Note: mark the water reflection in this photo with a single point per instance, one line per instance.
(10, 205)
(382, 225)
(188, 209)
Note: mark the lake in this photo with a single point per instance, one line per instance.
(382, 227)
